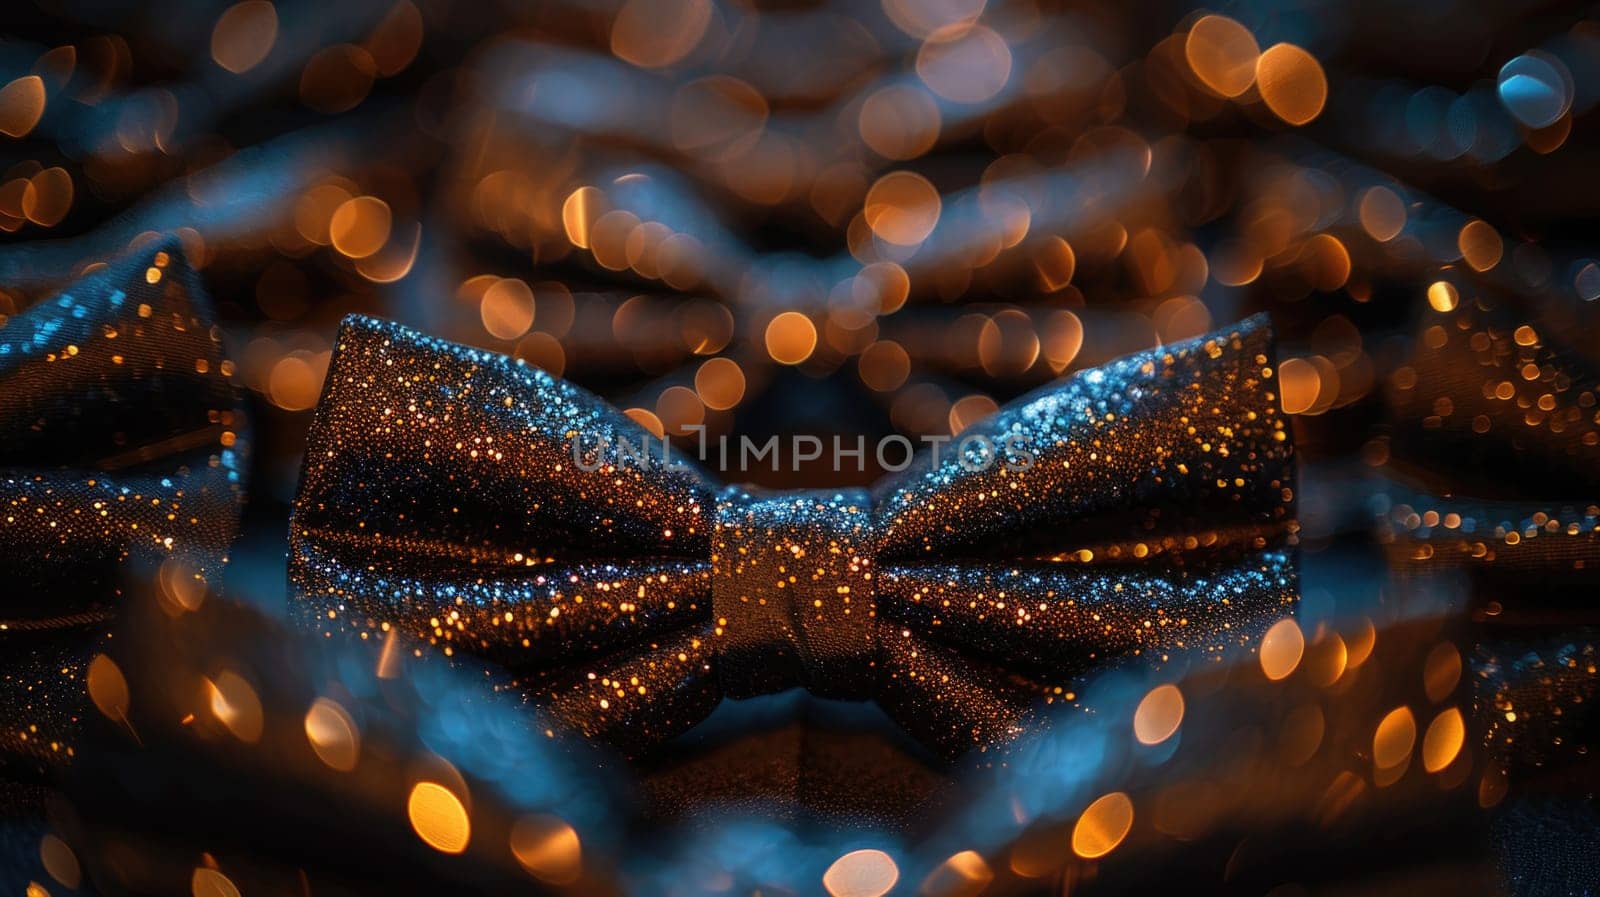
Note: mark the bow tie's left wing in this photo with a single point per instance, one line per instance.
(462, 499)
(1143, 508)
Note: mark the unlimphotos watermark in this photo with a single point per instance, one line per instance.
(593, 451)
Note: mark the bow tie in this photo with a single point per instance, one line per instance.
(459, 497)
(118, 432)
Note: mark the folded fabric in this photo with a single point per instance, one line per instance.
(464, 500)
(121, 449)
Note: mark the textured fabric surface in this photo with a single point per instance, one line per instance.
(473, 504)
(122, 455)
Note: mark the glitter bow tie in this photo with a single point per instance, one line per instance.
(118, 448)
(441, 498)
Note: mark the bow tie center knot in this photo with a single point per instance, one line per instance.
(792, 593)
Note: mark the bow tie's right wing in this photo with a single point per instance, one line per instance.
(1160, 448)
(1154, 517)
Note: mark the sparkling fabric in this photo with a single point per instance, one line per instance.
(1527, 575)
(1501, 386)
(792, 593)
(1527, 554)
(1536, 692)
(120, 451)
(461, 500)
(1548, 844)
(1489, 388)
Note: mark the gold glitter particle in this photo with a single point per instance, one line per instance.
(1158, 715)
(1394, 739)
(333, 734)
(791, 338)
(438, 817)
(1480, 245)
(107, 688)
(964, 874)
(244, 35)
(1102, 826)
(22, 103)
(1442, 296)
(207, 882)
(548, 847)
(1222, 53)
(60, 862)
(1281, 649)
(1291, 83)
(861, 873)
(1442, 743)
(234, 703)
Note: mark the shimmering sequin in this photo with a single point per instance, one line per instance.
(442, 498)
(122, 448)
